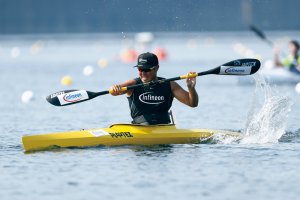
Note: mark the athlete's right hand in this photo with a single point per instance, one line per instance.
(116, 90)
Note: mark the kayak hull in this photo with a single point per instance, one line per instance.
(120, 134)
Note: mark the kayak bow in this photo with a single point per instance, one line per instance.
(120, 134)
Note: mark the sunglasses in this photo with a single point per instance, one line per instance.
(146, 70)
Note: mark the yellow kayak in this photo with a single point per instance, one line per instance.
(120, 134)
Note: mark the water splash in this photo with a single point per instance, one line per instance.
(268, 116)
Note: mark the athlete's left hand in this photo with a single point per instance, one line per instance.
(191, 82)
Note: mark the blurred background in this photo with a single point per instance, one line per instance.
(48, 46)
(99, 16)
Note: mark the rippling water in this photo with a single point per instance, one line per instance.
(262, 164)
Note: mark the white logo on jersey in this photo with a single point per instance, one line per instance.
(149, 98)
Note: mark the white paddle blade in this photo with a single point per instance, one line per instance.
(68, 97)
(240, 67)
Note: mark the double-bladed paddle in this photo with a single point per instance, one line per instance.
(236, 67)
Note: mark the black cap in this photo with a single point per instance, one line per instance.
(147, 60)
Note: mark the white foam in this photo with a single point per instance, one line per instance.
(223, 138)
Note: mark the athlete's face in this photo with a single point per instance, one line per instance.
(148, 75)
(293, 49)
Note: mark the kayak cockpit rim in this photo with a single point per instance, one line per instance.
(140, 125)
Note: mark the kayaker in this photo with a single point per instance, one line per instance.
(150, 104)
(292, 61)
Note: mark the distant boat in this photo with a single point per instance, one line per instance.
(275, 75)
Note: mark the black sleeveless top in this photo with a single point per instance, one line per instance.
(151, 104)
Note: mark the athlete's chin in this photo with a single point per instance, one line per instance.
(145, 80)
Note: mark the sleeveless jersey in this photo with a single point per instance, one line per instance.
(150, 100)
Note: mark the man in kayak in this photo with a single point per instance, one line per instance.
(292, 61)
(150, 104)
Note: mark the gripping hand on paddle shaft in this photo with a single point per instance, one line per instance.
(116, 90)
(191, 81)
(123, 88)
